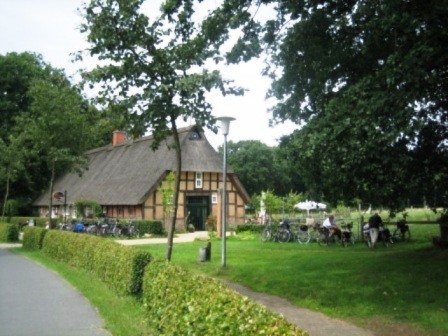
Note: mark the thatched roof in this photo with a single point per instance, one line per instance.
(126, 174)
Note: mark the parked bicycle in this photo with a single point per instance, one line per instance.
(324, 236)
(94, 228)
(314, 232)
(401, 232)
(347, 236)
(70, 226)
(384, 236)
(281, 233)
(130, 230)
(302, 234)
(110, 228)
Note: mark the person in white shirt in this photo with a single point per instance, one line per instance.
(331, 226)
(374, 225)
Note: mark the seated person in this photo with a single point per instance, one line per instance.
(331, 226)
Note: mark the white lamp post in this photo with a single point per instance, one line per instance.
(225, 123)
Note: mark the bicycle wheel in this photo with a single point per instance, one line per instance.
(284, 236)
(136, 233)
(266, 235)
(366, 237)
(406, 235)
(116, 232)
(401, 235)
(352, 239)
(396, 235)
(322, 239)
(345, 239)
(303, 237)
(385, 240)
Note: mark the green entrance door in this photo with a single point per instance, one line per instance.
(198, 209)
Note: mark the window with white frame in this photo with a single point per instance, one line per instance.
(198, 183)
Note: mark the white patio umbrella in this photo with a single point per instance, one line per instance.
(310, 205)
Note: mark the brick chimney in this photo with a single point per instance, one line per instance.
(118, 137)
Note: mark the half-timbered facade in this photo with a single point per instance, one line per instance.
(127, 177)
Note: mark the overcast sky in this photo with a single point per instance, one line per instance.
(49, 27)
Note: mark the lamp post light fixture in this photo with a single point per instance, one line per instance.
(225, 124)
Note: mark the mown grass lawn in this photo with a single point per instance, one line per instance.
(404, 284)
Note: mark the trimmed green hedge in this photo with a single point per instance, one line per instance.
(255, 228)
(9, 232)
(144, 226)
(121, 267)
(39, 221)
(33, 237)
(180, 303)
(150, 227)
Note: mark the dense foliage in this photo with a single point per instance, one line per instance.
(60, 125)
(367, 81)
(260, 168)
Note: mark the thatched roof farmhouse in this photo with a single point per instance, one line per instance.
(124, 178)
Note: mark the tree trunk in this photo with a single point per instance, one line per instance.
(6, 194)
(51, 194)
(172, 227)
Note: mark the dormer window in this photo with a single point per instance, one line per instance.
(198, 180)
(194, 135)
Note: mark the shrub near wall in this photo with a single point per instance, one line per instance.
(180, 303)
(254, 228)
(33, 237)
(150, 227)
(38, 221)
(121, 267)
(9, 232)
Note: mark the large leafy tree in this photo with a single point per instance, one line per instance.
(367, 82)
(27, 174)
(369, 79)
(25, 177)
(16, 73)
(259, 168)
(152, 69)
(59, 127)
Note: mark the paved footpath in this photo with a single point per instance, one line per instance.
(35, 301)
(316, 324)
